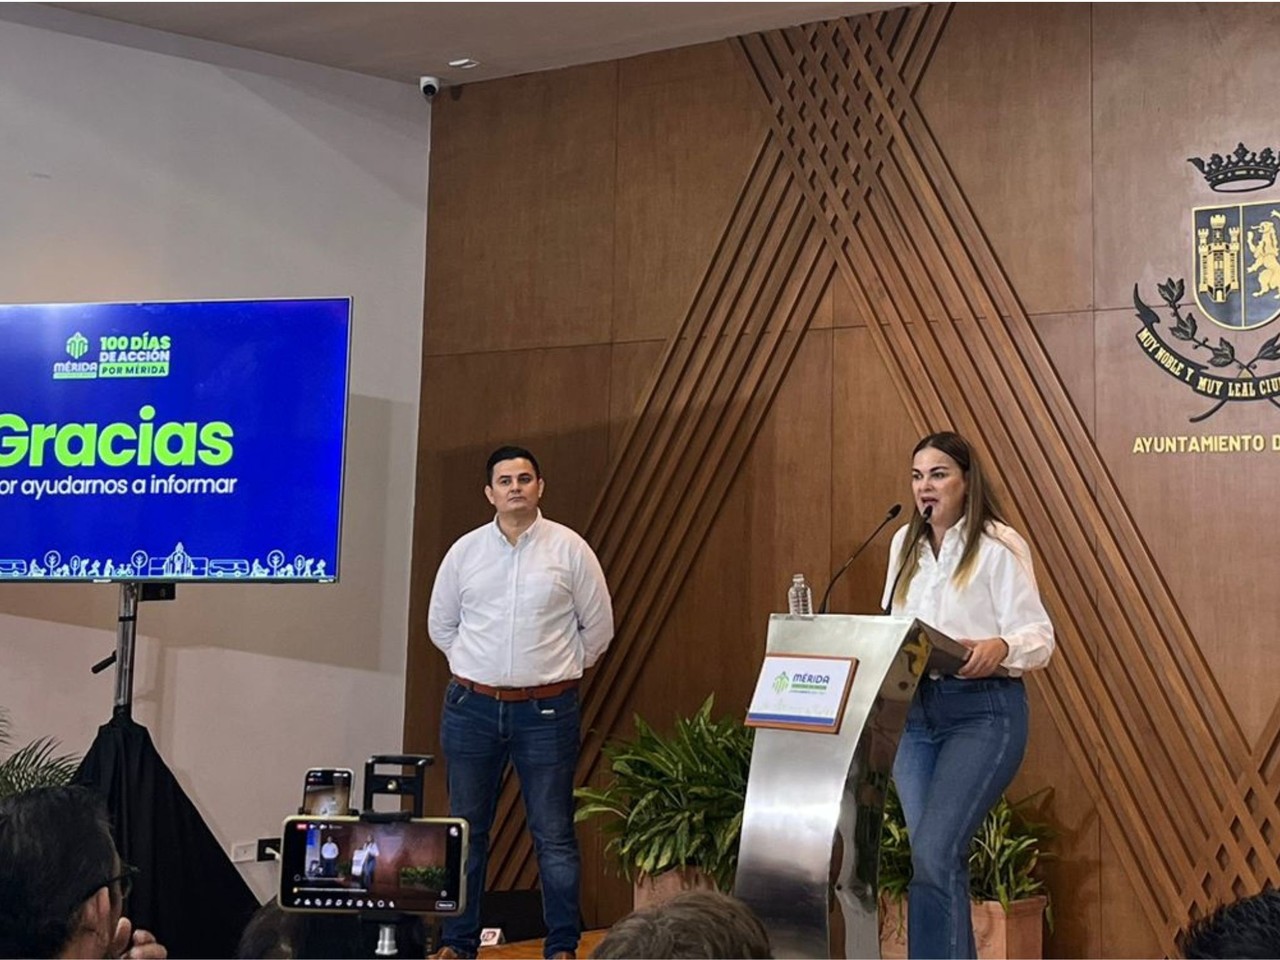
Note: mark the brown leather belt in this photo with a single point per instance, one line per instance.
(517, 694)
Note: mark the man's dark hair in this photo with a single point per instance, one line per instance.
(510, 452)
(696, 924)
(1247, 928)
(56, 852)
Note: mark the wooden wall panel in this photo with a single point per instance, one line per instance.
(845, 308)
(1003, 95)
(1172, 81)
(1074, 877)
(1080, 916)
(787, 481)
(1196, 513)
(871, 445)
(814, 245)
(689, 129)
(1124, 929)
(634, 364)
(607, 895)
(477, 401)
(1069, 339)
(523, 175)
(1083, 890)
(911, 234)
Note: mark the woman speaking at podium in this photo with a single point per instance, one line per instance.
(958, 567)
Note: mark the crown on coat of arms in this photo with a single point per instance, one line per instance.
(1240, 171)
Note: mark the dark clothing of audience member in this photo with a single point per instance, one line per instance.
(697, 924)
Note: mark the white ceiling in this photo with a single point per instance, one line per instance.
(402, 41)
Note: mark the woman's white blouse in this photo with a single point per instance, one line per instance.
(999, 599)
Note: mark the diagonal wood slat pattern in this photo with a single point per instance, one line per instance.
(851, 182)
(712, 390)
(1145, 723)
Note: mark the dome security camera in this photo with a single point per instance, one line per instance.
(429, 86)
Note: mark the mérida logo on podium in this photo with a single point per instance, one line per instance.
(806, 693)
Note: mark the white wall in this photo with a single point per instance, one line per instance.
(135, 165)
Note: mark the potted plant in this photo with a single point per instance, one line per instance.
(35, 765)
(431, 877)
(1010, 901)
(674, 803)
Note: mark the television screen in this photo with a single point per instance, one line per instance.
(186, 441)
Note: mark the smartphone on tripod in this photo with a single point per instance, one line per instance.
(350, 865)
(326, 792)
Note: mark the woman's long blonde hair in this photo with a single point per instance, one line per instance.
(980, 509)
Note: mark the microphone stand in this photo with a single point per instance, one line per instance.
(826, 597)
(902, 566)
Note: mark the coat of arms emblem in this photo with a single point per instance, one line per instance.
(1235, 284)
(1237, 264)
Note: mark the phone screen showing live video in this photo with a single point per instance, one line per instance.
(345, 864)
(327, 793)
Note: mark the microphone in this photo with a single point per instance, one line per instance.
(893, 512)
(925, 515)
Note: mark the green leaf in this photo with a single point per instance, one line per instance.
(1004, 855)
(675, 800)
(37, 764)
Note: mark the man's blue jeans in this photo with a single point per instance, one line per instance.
(540, 738)
(963, 743)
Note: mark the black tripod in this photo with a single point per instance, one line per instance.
(188, 893)
(410, 781)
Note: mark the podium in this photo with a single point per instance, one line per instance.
(815, 796)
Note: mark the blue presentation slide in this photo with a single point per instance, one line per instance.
(173, 441)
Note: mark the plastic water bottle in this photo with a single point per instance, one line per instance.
(800, 597)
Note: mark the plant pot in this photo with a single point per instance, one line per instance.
(999, 935)
(650, 891)
(675, 798)
(1018, 933)
(893, 929)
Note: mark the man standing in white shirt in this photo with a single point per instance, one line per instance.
(520, 607)
(329, 857)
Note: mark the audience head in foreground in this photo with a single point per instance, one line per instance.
(1245, 929)
(277, 934)
(696, 924)
(62, 883)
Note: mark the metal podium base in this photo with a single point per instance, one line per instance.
(815, 801)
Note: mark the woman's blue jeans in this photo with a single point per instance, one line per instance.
(540, 738)
(963, 743)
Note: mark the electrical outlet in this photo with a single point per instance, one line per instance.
(244, 852)
(268, 848)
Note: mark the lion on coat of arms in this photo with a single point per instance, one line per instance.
(1266, 257)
